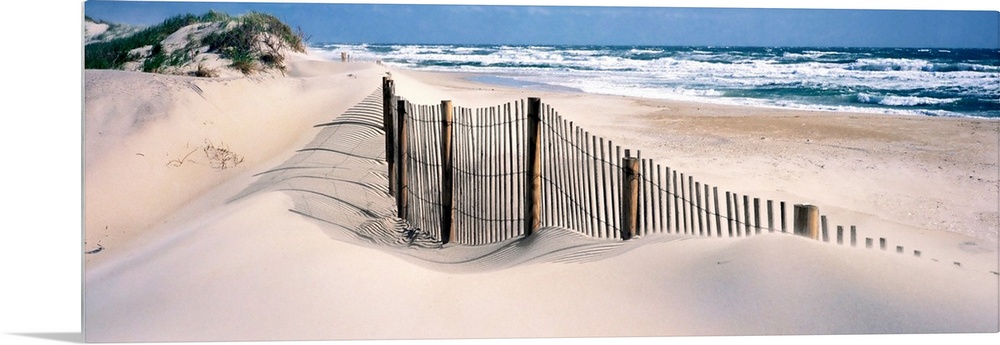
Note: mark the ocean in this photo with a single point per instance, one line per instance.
(934, 82)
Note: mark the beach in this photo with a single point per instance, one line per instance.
(176, 258)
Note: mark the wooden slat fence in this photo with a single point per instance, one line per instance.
(486, 165)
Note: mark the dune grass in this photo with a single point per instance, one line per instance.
(252, 42)
(113, 54)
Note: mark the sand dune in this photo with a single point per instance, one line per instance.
(295, 243)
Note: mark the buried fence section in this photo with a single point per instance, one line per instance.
(574, 161)
(424, 198)
(465, 138)
(489, 175)
(486, 175)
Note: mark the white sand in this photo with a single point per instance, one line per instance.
(178, 263)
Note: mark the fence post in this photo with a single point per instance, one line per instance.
(388, 92)
(446, 182)
(806, 221)
(533, 177)
(630, 196)
(402, 190)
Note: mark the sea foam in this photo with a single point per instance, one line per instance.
(892, 80)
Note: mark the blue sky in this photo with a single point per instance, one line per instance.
(478, 24)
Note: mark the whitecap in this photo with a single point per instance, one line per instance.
(905, 101)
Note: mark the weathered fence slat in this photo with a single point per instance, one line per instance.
(567, 215)
(652, 191)
(684, 206)
(573, 184)
(826, 234)
(644, 212)
(584, 188)
(518, 161)
(729, 215)
(494, 204)
(558, 216)
(691, 202)
(478, 155)
(770, 216)
(604, 187)
(665, 208)
(746, 215)
(433, 185)
(548, 191)
(461, 177)
(756, 216)
(708, 213)
(590, 166)
(697, 207)
(736, 210)
(677, 206)
(718, 217)
(784, 227)
(420, 151)
(508, 168)
(854, 236)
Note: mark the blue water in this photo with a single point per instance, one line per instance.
(936, 82)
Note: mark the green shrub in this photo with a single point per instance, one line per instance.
(156, 59)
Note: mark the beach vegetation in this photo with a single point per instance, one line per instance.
(205, 72)
(254, 42)
(113, 54)
(251, 42)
